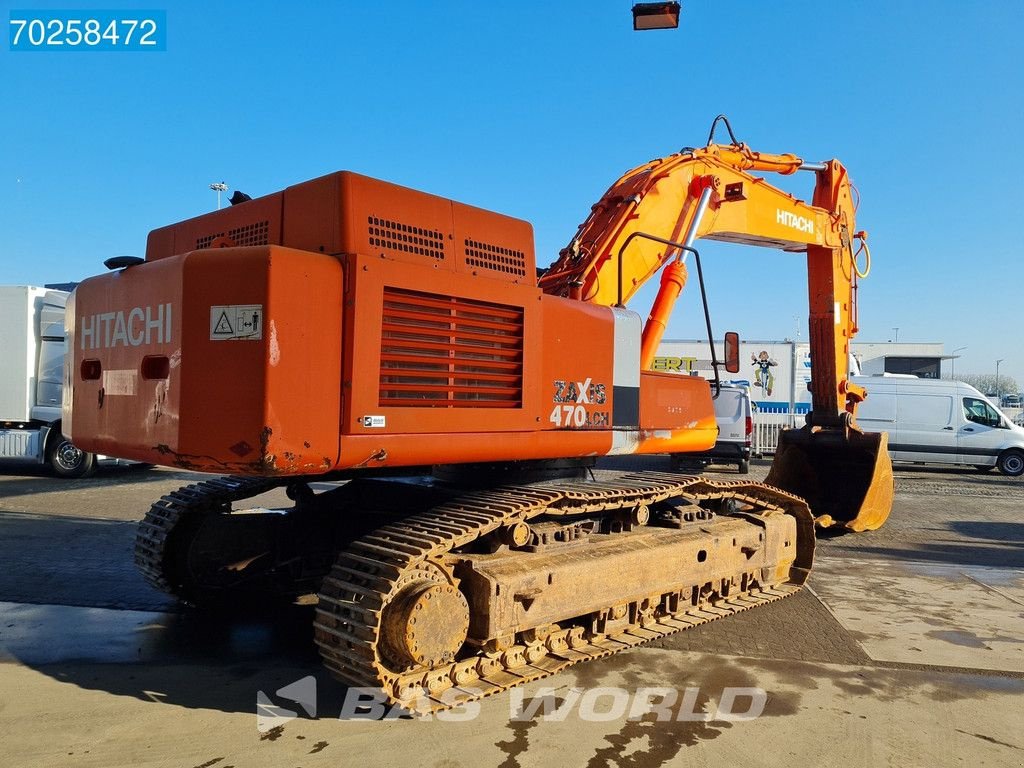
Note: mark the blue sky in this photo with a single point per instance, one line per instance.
(534, 109)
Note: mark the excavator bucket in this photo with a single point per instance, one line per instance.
(846, 479)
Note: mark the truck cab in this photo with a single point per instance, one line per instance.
(32, 348)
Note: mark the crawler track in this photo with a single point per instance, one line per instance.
(173, 514)
(373, 571)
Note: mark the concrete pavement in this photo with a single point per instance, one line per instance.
(906, 650)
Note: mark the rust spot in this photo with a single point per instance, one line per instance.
(305, 444)
(266, 465)
(183, 463)
(380, 454)
(241, 448)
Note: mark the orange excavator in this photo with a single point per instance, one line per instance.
(432, 408)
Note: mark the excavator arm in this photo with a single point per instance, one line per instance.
(648, 222)
(709, 194)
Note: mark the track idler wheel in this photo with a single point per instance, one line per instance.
(425, 624)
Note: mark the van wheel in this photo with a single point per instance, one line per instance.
(67, 460)
(744, 466)
(1011, 463)
(984, 467)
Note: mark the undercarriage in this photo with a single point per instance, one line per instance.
(437, 594)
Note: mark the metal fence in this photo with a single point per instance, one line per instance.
(768, 425)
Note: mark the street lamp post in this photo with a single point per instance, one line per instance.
(999, 392)
(952, 362)
(218, 187)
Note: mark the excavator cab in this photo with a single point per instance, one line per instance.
(845, 475)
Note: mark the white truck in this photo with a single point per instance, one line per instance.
(735, 433)
(32, 355)
(939, 421)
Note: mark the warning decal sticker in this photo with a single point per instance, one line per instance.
(236, 321)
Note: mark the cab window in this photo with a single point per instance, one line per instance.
(980, 412)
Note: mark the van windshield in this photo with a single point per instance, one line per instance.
(980, 412)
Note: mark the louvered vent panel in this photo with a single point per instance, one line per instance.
(488, 256)
(204, 242)
(445, 352)
(250, 234)
(257, 233)
(390, 235)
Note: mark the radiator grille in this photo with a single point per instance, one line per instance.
(495, 257)
(247, 234)
(445, 352)
(391, 235)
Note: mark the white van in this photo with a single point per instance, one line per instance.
(735, 433)
(945, 422)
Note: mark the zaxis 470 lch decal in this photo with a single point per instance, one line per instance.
(574, 404)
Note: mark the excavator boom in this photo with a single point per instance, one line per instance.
(711, 193)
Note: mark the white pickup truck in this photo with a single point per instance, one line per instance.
(32, 355)
(735, 433)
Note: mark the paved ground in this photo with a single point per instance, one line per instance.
(907, 650)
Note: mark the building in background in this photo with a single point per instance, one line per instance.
(778, 372)
(923, 360)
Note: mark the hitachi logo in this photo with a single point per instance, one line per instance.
(140, 325)
(792, 220)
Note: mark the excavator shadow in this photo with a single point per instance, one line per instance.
(87, 618)
(187, 658)
(22, 479)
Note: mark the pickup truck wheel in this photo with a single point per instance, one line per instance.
(744, 466)
(66, 460)
(1011, 463)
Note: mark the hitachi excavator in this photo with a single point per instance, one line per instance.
(432, 409)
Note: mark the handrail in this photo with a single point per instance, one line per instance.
(700, 279)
